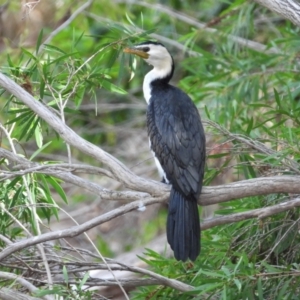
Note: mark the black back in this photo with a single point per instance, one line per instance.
(177, 138)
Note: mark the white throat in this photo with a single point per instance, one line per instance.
(155, 73)
(147, 84)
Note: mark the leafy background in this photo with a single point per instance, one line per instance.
(238, 62)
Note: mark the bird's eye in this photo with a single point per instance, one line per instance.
(146, 49)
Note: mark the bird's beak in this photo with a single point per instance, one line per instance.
(137, 52)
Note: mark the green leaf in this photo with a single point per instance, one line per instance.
(42, 88)
(205, 288)
(238, 284)
(260, 289)
(207, 112)
(211, 273)
(65, 274)
(84, 279)
(38, 151)
(22, 117)
(28, 53)
(56, 290)
(27, 127)
(58, 188)
(39, 41)
(54, 48)
(38, 135)
(113, 88)
(250, 126)
(45, 191)
(277, 98)
(32, 128)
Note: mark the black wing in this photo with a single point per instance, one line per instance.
(177, 138)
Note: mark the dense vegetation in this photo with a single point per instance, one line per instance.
(238, 62)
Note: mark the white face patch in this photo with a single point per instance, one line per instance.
(162, 63)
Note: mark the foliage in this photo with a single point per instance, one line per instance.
(248, 96)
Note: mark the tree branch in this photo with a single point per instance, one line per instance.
(289, 9)
(175, 284)
(126, 283)
(259, 213)
(210, 194)
(248, 188)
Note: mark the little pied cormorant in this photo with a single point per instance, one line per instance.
(177, 140)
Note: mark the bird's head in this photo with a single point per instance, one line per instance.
(155, 54)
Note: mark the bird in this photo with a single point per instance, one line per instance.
(177, 141)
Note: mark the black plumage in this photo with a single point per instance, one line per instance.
(178, 141)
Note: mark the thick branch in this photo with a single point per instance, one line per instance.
(210, 195)
(249, 188)
(289, 9)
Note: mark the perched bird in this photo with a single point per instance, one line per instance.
(177, 141)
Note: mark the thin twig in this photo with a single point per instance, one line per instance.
(259, 213)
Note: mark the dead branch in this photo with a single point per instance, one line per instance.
(210, 195)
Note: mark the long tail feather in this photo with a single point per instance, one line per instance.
(183, 227)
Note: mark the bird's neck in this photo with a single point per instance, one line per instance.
(157, 76)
